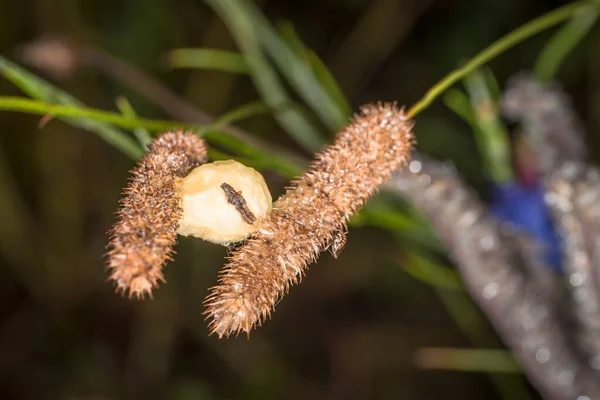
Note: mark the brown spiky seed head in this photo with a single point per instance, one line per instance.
(142, 239)
(308, 217)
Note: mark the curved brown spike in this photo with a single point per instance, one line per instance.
(142, 239)
(307, 218)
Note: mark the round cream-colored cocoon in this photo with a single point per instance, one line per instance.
(206, 211)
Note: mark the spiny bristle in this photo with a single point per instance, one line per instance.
(308, 217)
(142, 239)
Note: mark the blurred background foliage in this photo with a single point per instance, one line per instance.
(364, 326)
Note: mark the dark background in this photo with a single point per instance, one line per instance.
(351, 329)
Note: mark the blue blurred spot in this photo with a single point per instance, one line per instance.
(524, 207)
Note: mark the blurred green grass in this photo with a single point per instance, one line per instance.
(342, 335)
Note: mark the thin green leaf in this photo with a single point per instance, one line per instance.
(378, 213)
(260, 160)
(288, 34)
(329, 84)
(563, 42)
(90, 116)
(216, 155)
(23, 104)
(297, 71)
(431, 273)
(492, 136)
(487, 128)
(42, 90)
(265, 78)
(458, 102)
(498, 47)
(492, 84)
(388, 217)
(320, 70)
(467, 360)
(242, 112)
(220, 60)
(141, 134)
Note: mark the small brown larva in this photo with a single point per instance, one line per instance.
(236, 199)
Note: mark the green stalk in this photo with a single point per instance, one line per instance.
(498, 47)
(142, 135)
(284, 165)
(468, 360)
(564, 41)
(490, 134)
(21, 104)
(265, 78)
(220, 60)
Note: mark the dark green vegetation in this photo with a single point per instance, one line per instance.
(355, 326)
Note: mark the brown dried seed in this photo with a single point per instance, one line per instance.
(142, 239)
(308, 217)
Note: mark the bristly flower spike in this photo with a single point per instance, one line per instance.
(309, 217)
(142, 239)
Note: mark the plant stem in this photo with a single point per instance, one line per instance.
(285, 163)
(141, 134)
(491, 135)
(20, 104)
(498, 47)
(470, 360)
(564, 41)
(131, 121)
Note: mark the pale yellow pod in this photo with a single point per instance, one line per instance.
(207, 210)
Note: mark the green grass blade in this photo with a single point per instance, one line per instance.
(492, 84)
(265, 78)
(377, 212)
(297, 71)
(431, 273)
(220, 60)
(459, 102)
(141, 134)
(242, 112)
(329, 84)
(42, 90)
(55, 102)
(34, 86)
(90, 116)
(468, 360)
(217, 155)
(492, 136)
(498, 47)
(260, 160)
(563, 42)
(26, 105)
(322, 73)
